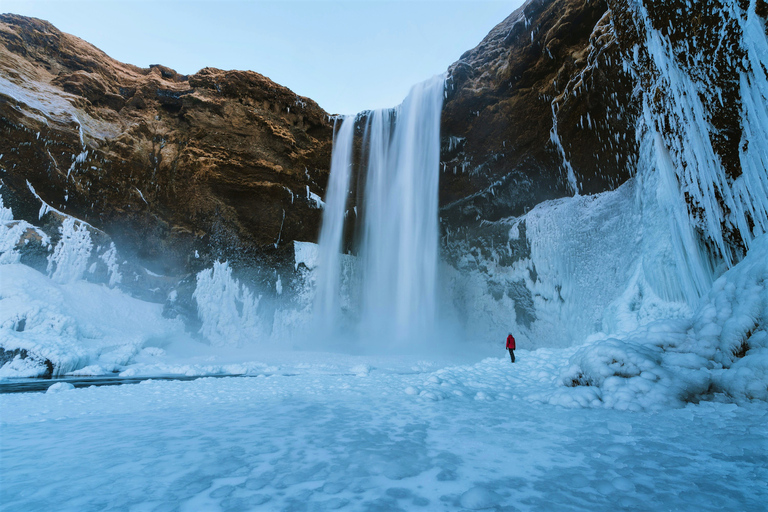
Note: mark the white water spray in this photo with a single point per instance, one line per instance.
(399, 236)
(327, 300)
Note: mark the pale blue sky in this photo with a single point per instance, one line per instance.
(346, 55)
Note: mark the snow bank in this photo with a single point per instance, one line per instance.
(720, 350)
(72, 324)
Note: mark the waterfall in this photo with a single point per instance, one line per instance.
(327, 300)
(398, 237)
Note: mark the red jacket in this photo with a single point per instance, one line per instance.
(511, 342)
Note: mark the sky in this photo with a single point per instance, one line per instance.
(347, 55)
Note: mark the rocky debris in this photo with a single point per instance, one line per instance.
(177, 170)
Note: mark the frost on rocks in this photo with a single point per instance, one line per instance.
(70, 256)
(675, 114)
(226, 308)
(110, 260)
(305, 253)
(11, 234)
(72, 324)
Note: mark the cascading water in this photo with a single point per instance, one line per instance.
(327, 302)
(398, 248)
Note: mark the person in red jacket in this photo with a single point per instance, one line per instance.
(511, 346)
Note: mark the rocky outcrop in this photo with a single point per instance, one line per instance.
(177, 170)
(548, 104)
(533, 113)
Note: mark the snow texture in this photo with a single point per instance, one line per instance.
(721, 349)
(70, 256)
(307, 432)
(73, 324)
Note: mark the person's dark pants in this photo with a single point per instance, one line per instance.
(512, 354)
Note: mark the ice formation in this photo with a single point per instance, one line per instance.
(70, 256)
(653, 303)
(227, 309)
(72, 324)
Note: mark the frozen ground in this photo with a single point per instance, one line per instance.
(355, 433)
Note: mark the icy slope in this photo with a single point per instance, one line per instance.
(722, 349)
(73, 325)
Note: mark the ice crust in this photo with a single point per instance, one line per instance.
(227, 309)
(73, 324)
(312, 432)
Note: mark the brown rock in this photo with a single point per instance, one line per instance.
(166, 164)
(550, 68)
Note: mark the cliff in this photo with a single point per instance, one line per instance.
(587, 146)
(549, 103)
(177, 170)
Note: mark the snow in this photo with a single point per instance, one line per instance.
(641, 384)
(70, 256)
(110, 260)
(59, 387)
(314, 435)
(73, 323)
(306, 253)
(721, 349)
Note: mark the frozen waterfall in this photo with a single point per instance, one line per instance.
(398, 233)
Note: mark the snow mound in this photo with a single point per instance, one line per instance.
(478, 498)
(721, 350)
(72, 325)
(60, 387)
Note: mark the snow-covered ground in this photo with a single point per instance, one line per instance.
(327, 432)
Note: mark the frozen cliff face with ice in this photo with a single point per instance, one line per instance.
(602, 179)
(642, 125)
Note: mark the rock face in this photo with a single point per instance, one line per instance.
(533, 113)
(177, 170)
(548, 104)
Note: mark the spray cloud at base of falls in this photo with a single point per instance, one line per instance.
(395, 281)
